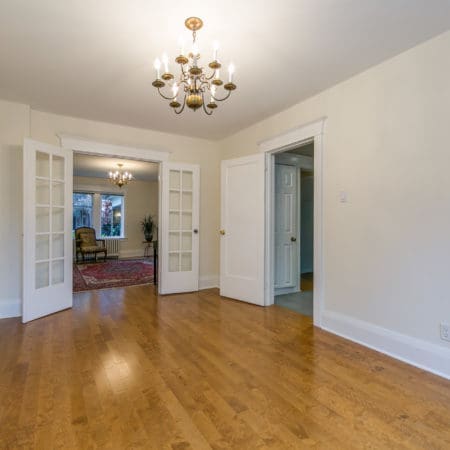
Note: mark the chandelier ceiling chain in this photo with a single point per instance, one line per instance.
(193, 82)
(119, 177)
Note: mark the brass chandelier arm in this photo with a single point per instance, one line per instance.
(182, 107)
(164, 96)
(222, 99)
(209, 113)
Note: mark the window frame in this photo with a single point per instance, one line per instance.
(97, 210)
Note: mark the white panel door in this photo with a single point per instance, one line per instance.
(242, 229)
(286, 215)
(179, 250)
(47, 235)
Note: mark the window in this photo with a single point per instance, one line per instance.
(104, 212)
(82, 210)
(111, 215)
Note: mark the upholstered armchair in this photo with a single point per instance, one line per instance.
(87, 243)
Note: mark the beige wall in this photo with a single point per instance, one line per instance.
(387, 144)
(19, 121)
(14, 126)
(45, 126)
(141, 198)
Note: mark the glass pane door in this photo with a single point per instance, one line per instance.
(179, 255)
(180, 220)
(50, 223)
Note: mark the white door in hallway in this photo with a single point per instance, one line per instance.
(242, 229)
(47, 229)
(286, 219)
(180, 209)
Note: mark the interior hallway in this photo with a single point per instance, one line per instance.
(301, 302)
(125, 369)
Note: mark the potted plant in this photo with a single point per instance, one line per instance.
(148, 226)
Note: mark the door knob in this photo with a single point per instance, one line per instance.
(222, 232)
(195, 231)
(293, 239)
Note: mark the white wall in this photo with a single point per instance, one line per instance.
(13, 128)
(44, 127)
(141, 199)
(387, 251)
(19, 121)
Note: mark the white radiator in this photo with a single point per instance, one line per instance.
(113, 246)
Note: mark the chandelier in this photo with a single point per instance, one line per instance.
(119, 177)
(194, 87)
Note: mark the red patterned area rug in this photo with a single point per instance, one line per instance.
(112, 273)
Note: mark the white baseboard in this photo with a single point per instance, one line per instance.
(10, 308)
(137, 253)
(208, 282)
(425, 355)
(288, 290)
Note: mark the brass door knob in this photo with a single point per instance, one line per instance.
(293, 239)
(222, 232)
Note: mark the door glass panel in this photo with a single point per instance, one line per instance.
(174, 241)
(58, 245)
(58, 168)
(42, 164)
(174, 200)
(187, 201)
(186, 262)
(187, 180)
(58, 219)
(174, 262)
(186, 221)
(42, 219)
(42, 192)
(42, 275)
(186, 241)
(42, 247)
(58, 271)
(174, 221)
(58, 194)
(174, 179)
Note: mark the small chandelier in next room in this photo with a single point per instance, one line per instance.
(119, 177)
(194, 86)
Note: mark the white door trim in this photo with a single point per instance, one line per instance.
(83, 145)
(312, 131)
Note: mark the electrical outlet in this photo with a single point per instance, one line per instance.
(445, 332)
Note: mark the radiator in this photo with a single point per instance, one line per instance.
(113, 246)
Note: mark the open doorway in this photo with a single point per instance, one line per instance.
(294, 229)
(114, 223)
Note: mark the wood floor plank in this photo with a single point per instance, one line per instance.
(126, 369)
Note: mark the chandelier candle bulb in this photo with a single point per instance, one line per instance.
(230, 73)
(157, 66)
(165, 60)
(216, 47)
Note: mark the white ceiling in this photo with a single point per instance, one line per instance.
(99, 167)
(94, 58)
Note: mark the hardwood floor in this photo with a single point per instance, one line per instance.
(125, 370)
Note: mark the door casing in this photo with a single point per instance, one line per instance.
(310, 132)
(84, 146)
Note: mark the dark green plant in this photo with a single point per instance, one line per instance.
(148, 226)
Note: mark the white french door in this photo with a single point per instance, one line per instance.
(179, 250)
(242, 229)
(286, 218)
(47, 230)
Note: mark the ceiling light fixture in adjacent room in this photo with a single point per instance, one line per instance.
(119, 177)
(193, 83)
